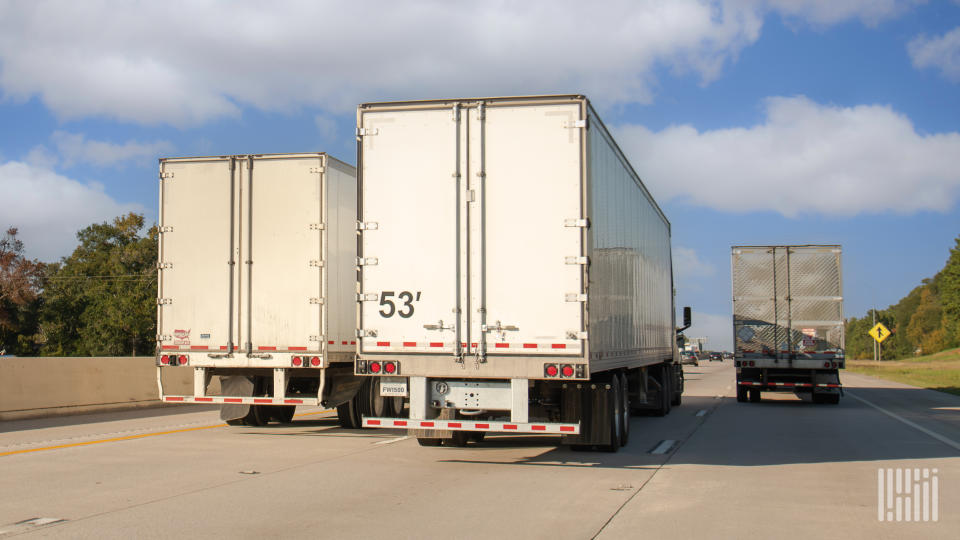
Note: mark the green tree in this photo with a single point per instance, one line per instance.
(925, 328)
(101, 300)
(950, 296)
(20, 282)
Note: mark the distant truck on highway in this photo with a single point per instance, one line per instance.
(257, 269)
(788, 320)
(515, 275)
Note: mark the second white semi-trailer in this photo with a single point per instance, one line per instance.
(514, 274)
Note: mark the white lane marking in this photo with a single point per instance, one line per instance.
(391, 441)
(663, 447)
(701, 412)
(915, 426)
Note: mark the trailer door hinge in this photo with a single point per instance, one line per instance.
(316, 301)
(164, 301)
(576, 222)
(316, 338)
(366, 132)
(317, 170)
(366, 333)
(161, 266)
(164, 175)
(369, 261)
(164, 229)
(576, 297)
(318, 264)
(575, 123)
(367, 226)
(576, 335)
(576, 260)
(317, 226)
(161, 337)
(471, 195)
(368, 297)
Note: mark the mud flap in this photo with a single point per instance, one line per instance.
(588, 404)
(238, 386)
(445, 414)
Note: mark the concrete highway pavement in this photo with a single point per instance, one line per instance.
(781, 468)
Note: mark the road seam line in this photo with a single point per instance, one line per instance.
(914, 425)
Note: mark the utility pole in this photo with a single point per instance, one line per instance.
(876, 346)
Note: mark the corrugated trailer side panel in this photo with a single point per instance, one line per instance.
(630, 288)
(341, 183)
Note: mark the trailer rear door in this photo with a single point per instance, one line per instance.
(527, 279)
(409, 271)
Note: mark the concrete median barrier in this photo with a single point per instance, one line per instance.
(34, 387)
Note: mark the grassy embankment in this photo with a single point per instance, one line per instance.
(939, 371)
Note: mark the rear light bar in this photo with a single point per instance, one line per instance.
(378, 367)
(174, 360)
(471, 425)
(305, 361)
(563, 370)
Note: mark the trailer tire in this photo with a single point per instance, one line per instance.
(284, 414)
(429, 441)
(459, 439)
(676, 396)
(665, 396)
(624, 411)
(614, 417)
(741, 394)
(754, 395)
(348, 414)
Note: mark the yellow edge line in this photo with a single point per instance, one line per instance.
(130, 437)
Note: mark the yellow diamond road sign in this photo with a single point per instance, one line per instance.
(879, 332)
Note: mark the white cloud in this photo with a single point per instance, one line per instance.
(941, 52)
(806, 158)
(686, 262)
(49, 209)
(689, 269)
(718, 329)
(326, 126)
(184, 63)
(74, 148)
(826, 12)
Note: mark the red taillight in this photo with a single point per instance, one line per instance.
(315, 361)
(165, 360)
(389, 367)
(374, 367)
(752, 363)
(567, 371)
(550, 370)
(183, 360)
(826, 364)
(297, 361)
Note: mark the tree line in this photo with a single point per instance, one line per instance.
(98, 301)
(925, 321)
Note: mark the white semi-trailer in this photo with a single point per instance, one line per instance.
(788, 320)
(515, 274)
(256, 283)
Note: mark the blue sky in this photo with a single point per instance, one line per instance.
(751, 121)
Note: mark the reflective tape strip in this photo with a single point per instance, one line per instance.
(244, 400)
(828, 385)
(465, 425)
(199, 347)
(438, 344)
